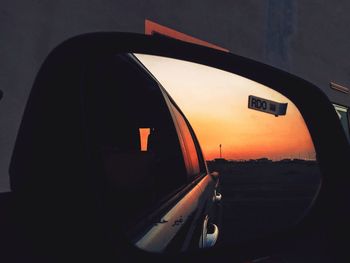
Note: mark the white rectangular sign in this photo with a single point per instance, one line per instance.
(267, 106)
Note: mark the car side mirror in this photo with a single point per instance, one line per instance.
(96, 92)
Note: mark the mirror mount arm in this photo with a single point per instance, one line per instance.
(215, 175)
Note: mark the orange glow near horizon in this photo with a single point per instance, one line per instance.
(216, 104)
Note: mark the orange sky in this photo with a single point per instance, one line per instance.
(216, 104)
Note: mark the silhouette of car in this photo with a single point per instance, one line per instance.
(146, 168)
(151, 156)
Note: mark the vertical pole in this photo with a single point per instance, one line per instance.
(220, 151)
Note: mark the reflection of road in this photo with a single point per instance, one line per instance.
(262, 197)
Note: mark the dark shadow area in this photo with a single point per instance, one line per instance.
(261, 197)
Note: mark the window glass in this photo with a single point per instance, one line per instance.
(192, 163)
(144, 134)
(132, 133)
(201, 160)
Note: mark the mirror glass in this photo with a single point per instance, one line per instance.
(162, 127)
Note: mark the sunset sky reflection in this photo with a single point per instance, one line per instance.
(216, 104)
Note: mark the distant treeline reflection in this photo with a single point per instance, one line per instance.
(260, 160)
(221, 163)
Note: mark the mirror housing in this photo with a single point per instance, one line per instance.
(45, 117)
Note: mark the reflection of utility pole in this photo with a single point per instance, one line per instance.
(220, 151)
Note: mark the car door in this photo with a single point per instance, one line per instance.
(179, 218)
(197, 170)
(120, 163)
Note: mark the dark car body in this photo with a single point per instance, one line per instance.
(170, 195)
(153, 189)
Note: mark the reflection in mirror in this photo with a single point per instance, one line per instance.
(268, 170)
(161, 128)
